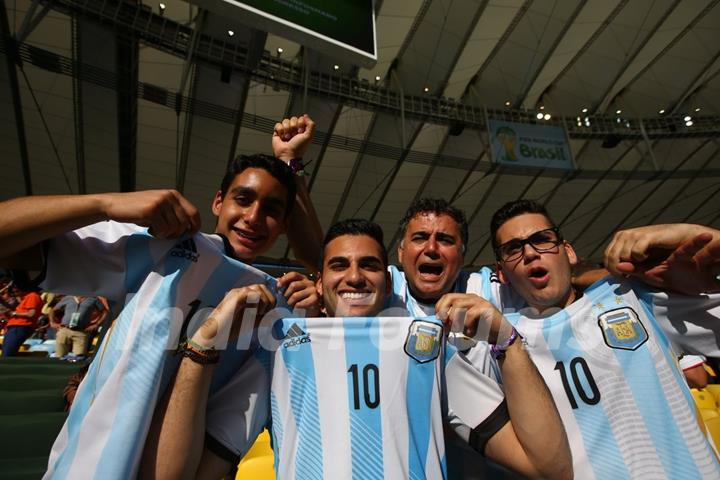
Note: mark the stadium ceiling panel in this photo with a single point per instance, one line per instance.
(116, 95)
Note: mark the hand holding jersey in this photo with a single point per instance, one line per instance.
(243, 304)
(604, 355)
(679, 257)
(300, 293)
(478, 318)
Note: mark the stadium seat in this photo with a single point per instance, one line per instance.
(261, 446)
(14, 383)
(56, 368)
(704, 399)
(30, 468)
(706, 413)
(32, 401)
(713, 428)
(30, 435)
(257, 468)
(258, 463)
(714, 390)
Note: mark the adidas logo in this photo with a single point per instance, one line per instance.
(295, 336)
(185, 249)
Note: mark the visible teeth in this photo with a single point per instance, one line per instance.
(248, 236)
(354, 295)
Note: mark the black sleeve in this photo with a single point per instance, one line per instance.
(480, 435)
(222, 451)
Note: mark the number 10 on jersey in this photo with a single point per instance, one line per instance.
(369, 384)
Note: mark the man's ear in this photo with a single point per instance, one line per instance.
(501, 275)
(400, 251)
(217, 203)
(318, 286)
(572, 256)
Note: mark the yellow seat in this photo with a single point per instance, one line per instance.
(256, 468)
(261, 447)
(714, 390)
(713, 427)
(707, 414)
(704, 399)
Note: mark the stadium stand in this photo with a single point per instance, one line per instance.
(32, 413)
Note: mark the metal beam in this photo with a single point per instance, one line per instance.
(405, 142)
(256, 43)
(696, 84)
(30, 21)
(594, 186)
(561, 35)
(586, 46)
(11, 57)
(173, 38)
(703, 13)
(614, 195)
(682, 189)
(158, 95)
(631, 211)
(605, 98)
(127, 58)
(78, 121)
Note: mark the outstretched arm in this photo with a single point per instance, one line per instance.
(534, 442)
(27, 221)
(683, 258)
(291, 139)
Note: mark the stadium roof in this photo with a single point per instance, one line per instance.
(122, 96)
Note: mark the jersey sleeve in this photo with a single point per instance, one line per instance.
(486, 284)
(239, 410)
(690, 322)
(107, 258)
(476, 403)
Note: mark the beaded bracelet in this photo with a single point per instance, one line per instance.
(498, 351)
(199, 354)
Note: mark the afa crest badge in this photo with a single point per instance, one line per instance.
(423, 341)
(622, 329)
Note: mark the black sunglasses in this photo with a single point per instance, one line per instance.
(542, 241)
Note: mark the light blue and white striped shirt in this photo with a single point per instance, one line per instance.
(360, 398)
(168, 287)
(615, 380)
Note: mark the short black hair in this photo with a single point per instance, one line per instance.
(274, 166)
(513, 209)
(438, 206)
(355, 226)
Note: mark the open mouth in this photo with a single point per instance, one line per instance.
(538, 275)
(429, 269)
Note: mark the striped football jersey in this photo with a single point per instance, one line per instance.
(167, 287)
(615, 380)
(363, 398)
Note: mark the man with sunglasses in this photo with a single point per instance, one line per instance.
(603, 353)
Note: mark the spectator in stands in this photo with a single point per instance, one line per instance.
(695, 370)
(77, 323)
(7, 301)
(22, 321)
(606, 353)
(49, 301)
